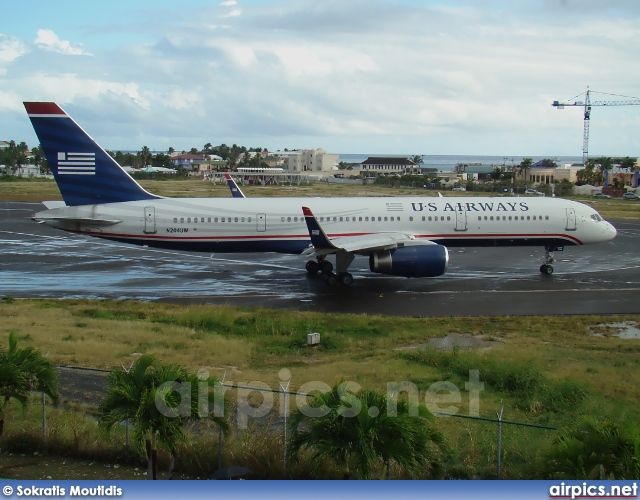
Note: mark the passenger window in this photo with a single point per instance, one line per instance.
(281, 219)
(366, 219)
(188, 220)
(504, 217)
(335, 219)
(249, 219)
(448, 218)
(379, 219)
(202, 219)
(295, 219)
(528, 217)
(221, 219)
(209, 219)
(491, 218)
(359, 219)
(479, 218)
(340, 219)
(235, 220)
(215, 219)
(510, 218)
(288, 219)
(385, 219)
(546, 217)
(175, 220)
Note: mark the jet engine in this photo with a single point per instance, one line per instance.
(421, 261)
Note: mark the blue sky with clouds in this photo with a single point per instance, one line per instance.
(350, 76)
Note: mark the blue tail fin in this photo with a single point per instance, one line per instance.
(85, 173)
(235, 190)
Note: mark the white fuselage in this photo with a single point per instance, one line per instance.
(278, 225)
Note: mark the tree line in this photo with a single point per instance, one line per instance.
(17, 155)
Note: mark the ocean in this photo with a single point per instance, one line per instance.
(446, 163)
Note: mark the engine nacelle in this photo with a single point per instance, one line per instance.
(420, 261)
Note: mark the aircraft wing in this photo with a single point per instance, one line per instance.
(365, 243)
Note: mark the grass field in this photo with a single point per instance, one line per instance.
(254, 345)
(543, 370)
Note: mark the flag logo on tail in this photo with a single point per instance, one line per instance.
(77, 163)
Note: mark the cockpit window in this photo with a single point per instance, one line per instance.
(596, 217)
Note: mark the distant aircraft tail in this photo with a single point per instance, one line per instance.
(84, 172)
(235, 190)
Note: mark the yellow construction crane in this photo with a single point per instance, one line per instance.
(587, 103)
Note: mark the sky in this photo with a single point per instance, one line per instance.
(462, 77)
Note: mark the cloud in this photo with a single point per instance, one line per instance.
(11, 48)
(49, 41)
(377, 76)
(233, 13)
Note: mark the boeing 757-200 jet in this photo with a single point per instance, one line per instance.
(402, 236)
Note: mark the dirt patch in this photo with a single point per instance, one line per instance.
(464, 341)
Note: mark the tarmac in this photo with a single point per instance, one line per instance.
(41, 262)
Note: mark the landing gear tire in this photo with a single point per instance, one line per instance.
(312, 267)
(546, 269)
(330, 279)
(326, 267)
(345, 279)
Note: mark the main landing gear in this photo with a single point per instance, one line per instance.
(325, 268)
(547, 268)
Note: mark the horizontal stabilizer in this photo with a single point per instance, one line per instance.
(80, 220)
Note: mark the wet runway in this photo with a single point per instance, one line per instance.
(38, 261)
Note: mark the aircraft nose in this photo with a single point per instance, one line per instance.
(612, 230)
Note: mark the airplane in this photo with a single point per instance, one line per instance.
(402, 236)
(236, 192)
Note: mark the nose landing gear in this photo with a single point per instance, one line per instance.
(546, 267)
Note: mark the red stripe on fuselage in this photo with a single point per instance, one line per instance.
(434, 237)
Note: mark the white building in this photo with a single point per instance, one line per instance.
(309, 160)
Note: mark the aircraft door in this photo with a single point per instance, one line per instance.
(461, 220)
(149, 220)
(571, 219)
(261, 220)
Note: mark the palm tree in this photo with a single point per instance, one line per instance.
(22, 370)
(592, 449)
(360, 431)
(157, 400)
(523, 168)
(145, 156)
(604, 164)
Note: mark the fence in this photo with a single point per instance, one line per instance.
(495, 447)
